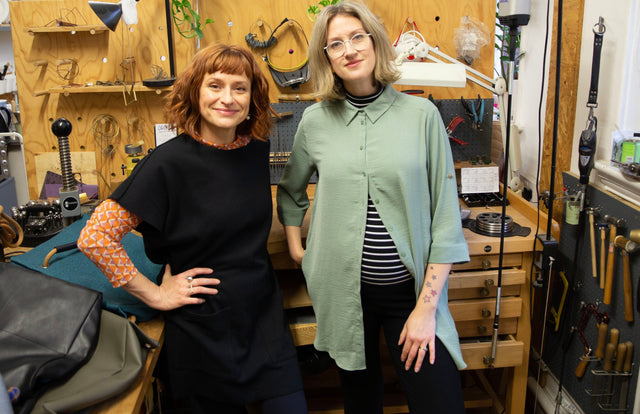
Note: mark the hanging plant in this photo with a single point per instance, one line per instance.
(187, 20)
(314, 9)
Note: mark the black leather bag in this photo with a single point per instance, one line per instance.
(48, 329)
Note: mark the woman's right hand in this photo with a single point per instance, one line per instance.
(296, 254)
(175, 290)
(178, 290)
(294, 242)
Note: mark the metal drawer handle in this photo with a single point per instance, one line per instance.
(482, 329)
(486, 313)
(486, 264)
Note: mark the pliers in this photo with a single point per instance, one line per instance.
(475, 111)
(453, 124)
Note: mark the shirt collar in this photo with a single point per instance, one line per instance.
(374, 110)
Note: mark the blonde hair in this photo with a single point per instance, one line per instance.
(327, 84)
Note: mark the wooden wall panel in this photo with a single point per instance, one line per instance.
(99, 56)
(567, 92)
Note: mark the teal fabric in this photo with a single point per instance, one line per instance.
(397, 150)
(75, 267)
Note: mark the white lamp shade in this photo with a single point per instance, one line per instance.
(450, 75)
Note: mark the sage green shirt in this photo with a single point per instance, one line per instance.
(396, 149)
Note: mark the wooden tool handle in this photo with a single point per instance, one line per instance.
(608, 285)
(628, 289)
(608, 357)
(621, 354)
(603, 329)
(614, 337)
(628, 358)
(603, 256)
(592, 236)
(582, 366)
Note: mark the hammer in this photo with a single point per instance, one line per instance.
(603, 256)
(627, 247)
(591, 211)
(614, 224)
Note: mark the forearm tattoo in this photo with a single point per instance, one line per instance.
(428, 292)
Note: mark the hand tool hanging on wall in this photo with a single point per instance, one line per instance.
(620, 356)
(591, 212)
(634, 236)
(475, 111)
(453, 124)
(627, 247)
(626, 369)
(600, 385)
(603, 328)
(603, 252)
(614, 224)
(587, 145)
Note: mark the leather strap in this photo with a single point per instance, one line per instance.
(598, 34)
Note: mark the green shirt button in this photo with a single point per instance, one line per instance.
(377, 201)
(361, 147)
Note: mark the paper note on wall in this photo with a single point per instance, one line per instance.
(479, 180)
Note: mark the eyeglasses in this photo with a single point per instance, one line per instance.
(359, 41)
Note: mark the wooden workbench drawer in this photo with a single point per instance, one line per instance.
(476, 328)
(483, 309)
(490, 261)
(482, 284)
(509, 353)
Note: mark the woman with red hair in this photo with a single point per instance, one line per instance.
(202, 202)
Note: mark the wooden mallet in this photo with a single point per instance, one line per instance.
(627, 247)
(614, 224)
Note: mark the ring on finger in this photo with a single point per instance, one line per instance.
(424, 348)
(190, 279)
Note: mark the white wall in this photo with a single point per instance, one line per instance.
(619, 82)
(6, 48)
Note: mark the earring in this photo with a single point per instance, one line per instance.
(248, 117)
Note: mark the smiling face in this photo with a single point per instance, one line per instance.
(354, 67)
(224, 104)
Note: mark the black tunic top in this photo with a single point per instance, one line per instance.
(206, 207)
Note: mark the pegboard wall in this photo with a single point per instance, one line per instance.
(575, 260)
(283, 133)
(475, 143)
(468, 143)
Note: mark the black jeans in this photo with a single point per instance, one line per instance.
(435, 389)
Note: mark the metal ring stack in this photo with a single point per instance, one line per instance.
(491, 222)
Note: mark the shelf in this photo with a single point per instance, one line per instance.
(67, 90)
(93, 29)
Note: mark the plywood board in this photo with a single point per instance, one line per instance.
(83, 163)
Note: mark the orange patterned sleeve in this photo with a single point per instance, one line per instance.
(100, 241)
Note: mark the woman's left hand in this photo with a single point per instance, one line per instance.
(419, 338)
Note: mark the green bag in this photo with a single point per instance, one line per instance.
(118, 358)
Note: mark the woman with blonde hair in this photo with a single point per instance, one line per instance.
(385, 225)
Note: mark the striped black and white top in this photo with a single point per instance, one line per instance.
(381, 263)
